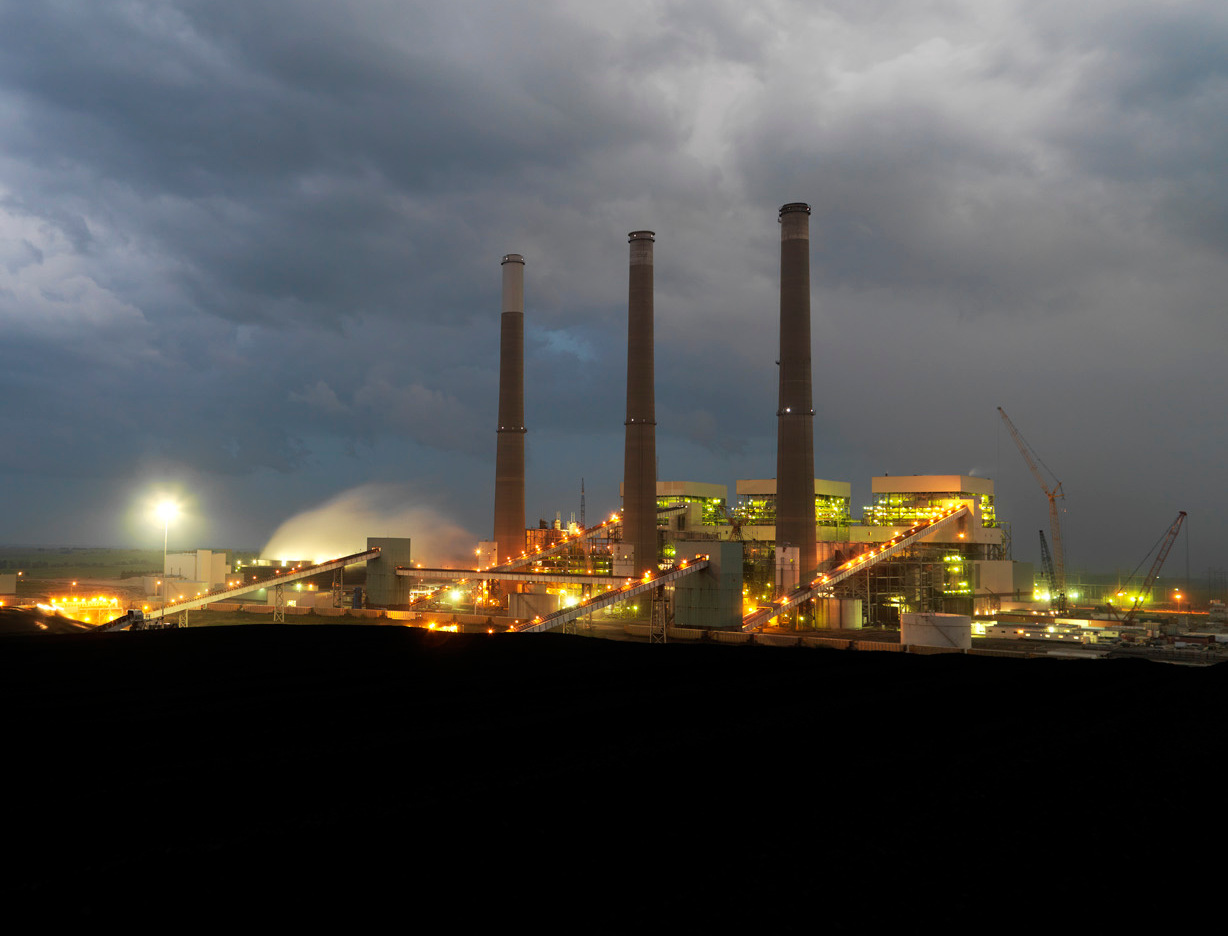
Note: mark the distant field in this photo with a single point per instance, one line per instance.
(50, 562)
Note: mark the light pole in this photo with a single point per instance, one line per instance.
(167, 511)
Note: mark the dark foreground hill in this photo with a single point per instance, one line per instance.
(361, 776)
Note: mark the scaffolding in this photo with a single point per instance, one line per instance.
(908, 582)
(660, 610)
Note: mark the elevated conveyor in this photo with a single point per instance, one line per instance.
(605, 527)
(222, 594)
(523, 575)
(628, 591)
(824, 583)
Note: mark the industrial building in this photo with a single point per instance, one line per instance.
(788, 551)
(774, 538)
(206, 566)
(785, 528)
(189, 573)
(962, 571)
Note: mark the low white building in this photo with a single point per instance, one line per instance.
(206, 566)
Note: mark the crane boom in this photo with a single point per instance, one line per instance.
(1055, 526)
(1059, 551)
(1046, 563)
(1169, 538)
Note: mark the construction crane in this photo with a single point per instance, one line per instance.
(1046, 563)
(734, 521)
(1165, 543)
(1058, 593)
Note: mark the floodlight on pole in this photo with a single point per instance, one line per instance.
(167, 511)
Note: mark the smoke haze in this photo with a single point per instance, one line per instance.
(341, 526)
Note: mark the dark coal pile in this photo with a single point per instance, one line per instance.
(19, 621)
(352, 776)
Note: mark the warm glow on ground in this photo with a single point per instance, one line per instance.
(95, 609)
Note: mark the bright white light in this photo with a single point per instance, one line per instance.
(167, 511)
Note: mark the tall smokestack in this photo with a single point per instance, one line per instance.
(640, 454)
(509, 457)
(795, 416)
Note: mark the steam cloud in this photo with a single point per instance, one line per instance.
(341, 527)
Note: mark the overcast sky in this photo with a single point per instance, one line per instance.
(249, 255)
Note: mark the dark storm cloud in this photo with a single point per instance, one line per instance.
(230, 97)
(299, 160)
(259, 242)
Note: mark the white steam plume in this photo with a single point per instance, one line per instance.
(341, 526)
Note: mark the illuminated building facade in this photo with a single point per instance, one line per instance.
(900, 500)
(757, 502)
(957, 570)
(710, 498)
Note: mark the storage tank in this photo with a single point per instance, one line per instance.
(837, 613)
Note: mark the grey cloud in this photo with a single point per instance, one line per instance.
(321, 396)
(259, 242)
(23, 254)
(429, 415)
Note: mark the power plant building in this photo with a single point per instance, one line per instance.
(757, 502)
(900, 500)
(794, 518)
(951, 571)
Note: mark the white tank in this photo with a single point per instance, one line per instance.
(930, 629)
